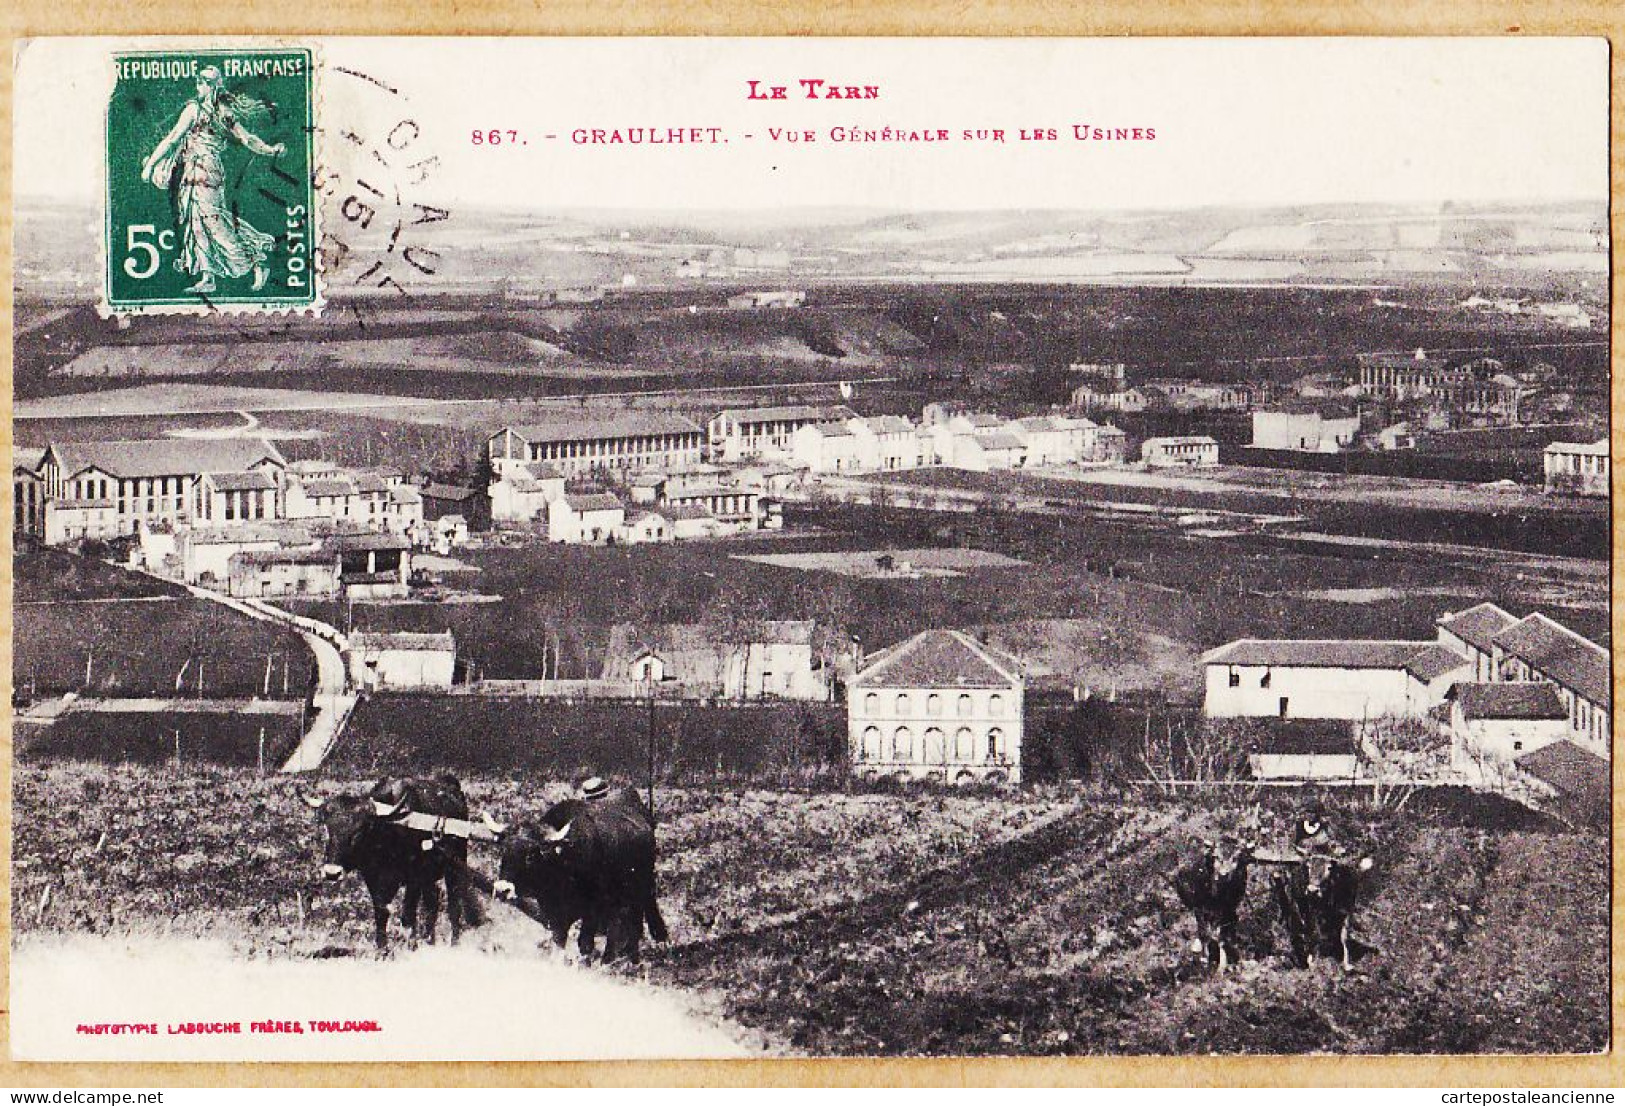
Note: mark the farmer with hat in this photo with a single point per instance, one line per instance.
(1311, 834)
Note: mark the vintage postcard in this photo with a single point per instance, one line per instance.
(578, 549)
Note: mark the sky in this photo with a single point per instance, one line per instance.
(1237, 121)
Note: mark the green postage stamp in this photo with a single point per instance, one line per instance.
(210, 200)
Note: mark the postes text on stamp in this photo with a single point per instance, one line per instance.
(210, 203)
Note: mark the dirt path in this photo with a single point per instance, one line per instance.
(334, 702)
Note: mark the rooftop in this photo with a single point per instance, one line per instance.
(253, 557)
(403, 642)
(1574, 773)
(1190, 439)
(1587, 449)
(244, 535)
(999, 439)
(940, 658)
(600, 501)
(164, 456)
(789, 413)
(1434, 660)
(356, 543)
(1317, 653)
(1561, 655)
(455, 492)
(1508, 701)
(1303, 737)
(342, 485)
(633, 424)
(832, 429)
(1477, 625)
(887, 424)
(257, 481)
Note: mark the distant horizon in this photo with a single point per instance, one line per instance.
(22, 200)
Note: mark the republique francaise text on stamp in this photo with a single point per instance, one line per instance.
(210, 204)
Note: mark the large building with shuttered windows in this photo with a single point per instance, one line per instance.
(941, 705)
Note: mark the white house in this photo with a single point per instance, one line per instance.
(1055, 439)
(585, 519)
(402, 661)
(1180, 452)
(774, 660)
(1538, 648)
(522, 492)
(826, 447)
(940, 705)
(1577, 468)
(1305, 431)
(645, 526)
(1472, 633)
(886, 443)
(1354, 680)
(205, 553)
(1306, 750)
(731, 506)
(758, 433)
(1493, 724)
(403, 510)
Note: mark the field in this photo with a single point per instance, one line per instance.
(156, 738)
(1101, 601)
(1421, 511)
(878, 564)
(86, 627)
(917, 922)
(151, 648)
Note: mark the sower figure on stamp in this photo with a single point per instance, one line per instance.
(215, 242)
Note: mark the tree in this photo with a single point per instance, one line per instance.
(732, 622)
(1205, 751)
(1402, 753)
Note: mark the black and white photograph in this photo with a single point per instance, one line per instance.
(648, 549)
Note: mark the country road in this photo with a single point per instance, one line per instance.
(332, 697)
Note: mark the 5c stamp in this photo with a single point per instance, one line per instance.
(210, 202)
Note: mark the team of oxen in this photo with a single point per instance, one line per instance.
(588, 860)
(591, 861)
(1314, 893)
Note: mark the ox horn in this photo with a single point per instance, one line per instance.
(313, 802)
(560, 834)
(496, 827)
(386, 810)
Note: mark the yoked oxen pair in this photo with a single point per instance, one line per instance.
(365, 835)
(1314, 893)
(591, 861)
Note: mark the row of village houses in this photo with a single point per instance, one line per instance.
(1434, 390)
(73, 490)
(806, 438)
(1517, 698)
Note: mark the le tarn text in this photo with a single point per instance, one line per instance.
(810, 89)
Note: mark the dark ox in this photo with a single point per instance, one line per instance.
(591, 861)
(1212, 886)
(365, 836)
(1317, 899)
